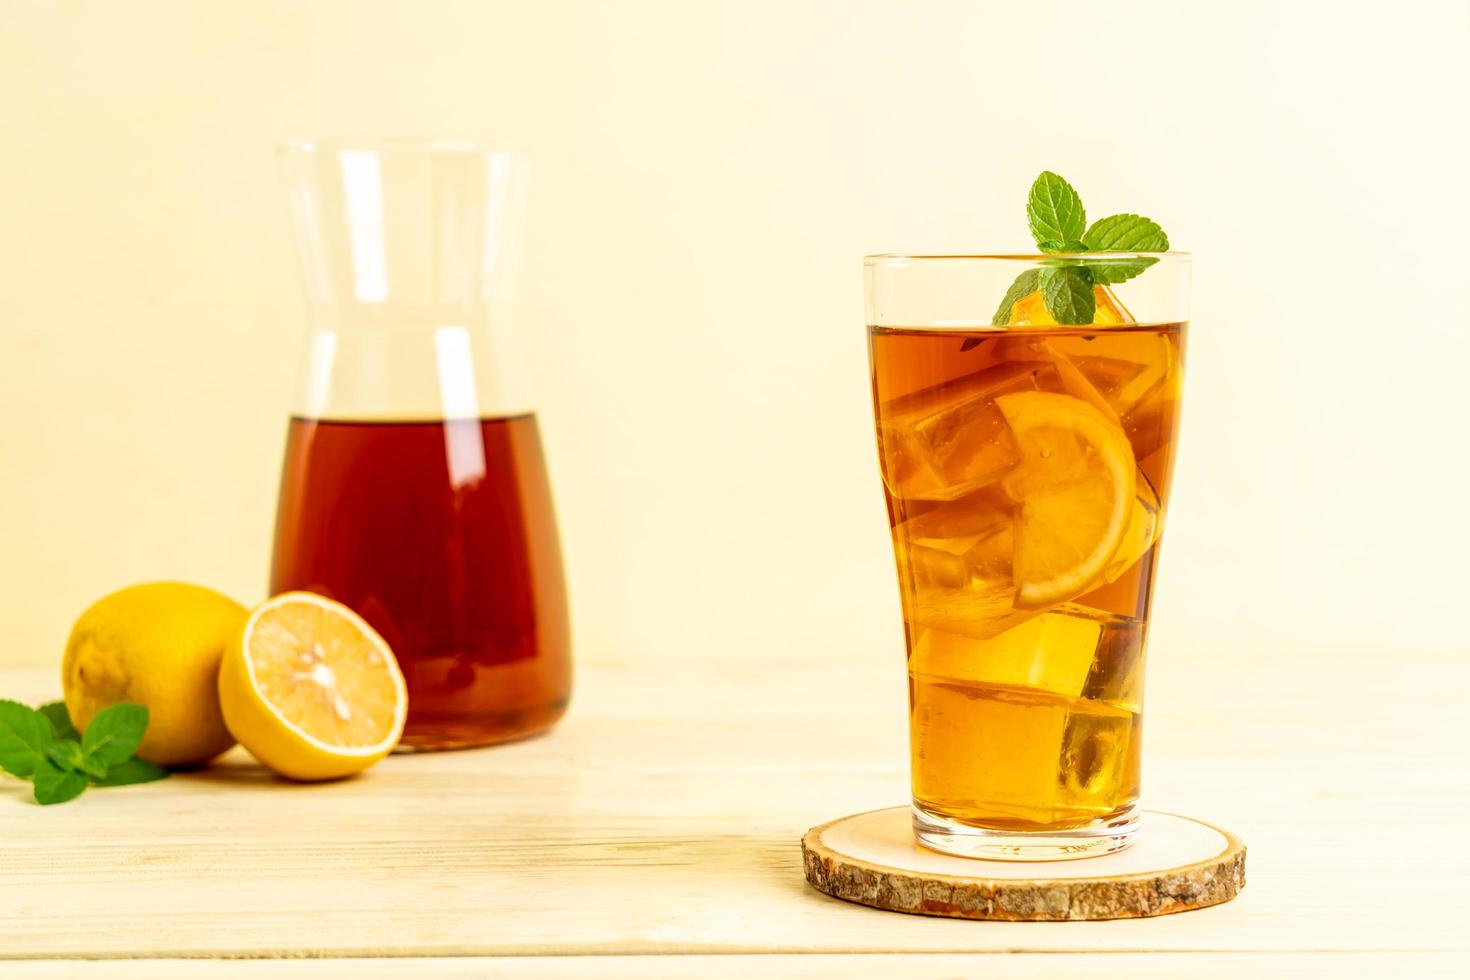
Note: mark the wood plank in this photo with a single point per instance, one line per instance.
(911, 966)
(664, 818)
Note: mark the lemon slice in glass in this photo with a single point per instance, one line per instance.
(311, 690)
(1074, 490)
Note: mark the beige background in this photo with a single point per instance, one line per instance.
(709, 176)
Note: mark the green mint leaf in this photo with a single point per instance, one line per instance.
(1059, 225)
(57, 785)
(1026, 284)
(115, 733)
(1107, 269)
(1125, 233)
(67, 754)
(24, 735)
(1054, 211)
(56, 713)
(130, 772)
(1067, 291)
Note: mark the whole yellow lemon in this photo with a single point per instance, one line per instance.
(157, 645)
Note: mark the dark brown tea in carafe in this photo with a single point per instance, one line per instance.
(441, 534)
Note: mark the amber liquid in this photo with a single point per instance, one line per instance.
(442, 535)
(1021, 718)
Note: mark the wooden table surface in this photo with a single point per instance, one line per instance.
(655, 834)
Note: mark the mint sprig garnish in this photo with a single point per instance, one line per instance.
(1026, 284)
(1125, 233)
(1068, 294)
(1054, 211)
(43, 746)
(1058, 222)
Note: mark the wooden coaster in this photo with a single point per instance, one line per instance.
(1175, 864)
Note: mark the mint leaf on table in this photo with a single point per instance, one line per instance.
(1054, 211)
(24, 736)
(67, 754)
(60, 718)
(130, 772)
(43, 746)
(1026, 284)
(115, 733)
(57, 785)
(1068, 293)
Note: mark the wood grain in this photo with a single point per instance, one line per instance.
(1206, 879)
(663, 818)
(908, 966)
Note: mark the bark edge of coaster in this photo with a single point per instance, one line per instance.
(1176, 864)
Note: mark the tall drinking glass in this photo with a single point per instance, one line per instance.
(414, 487)
(1026, 467)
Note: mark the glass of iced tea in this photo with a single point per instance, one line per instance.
(414, 488)
(1026, 466)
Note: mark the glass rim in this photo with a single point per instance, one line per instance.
(393, 144)
(898, 259)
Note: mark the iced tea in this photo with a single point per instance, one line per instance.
(1026, 470)
(441, 534)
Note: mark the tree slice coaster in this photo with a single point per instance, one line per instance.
(1173, 865)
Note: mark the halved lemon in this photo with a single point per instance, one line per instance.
(311, 690)
(1074, 490)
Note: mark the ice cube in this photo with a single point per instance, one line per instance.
(1150, 424)
(1122, 588)
(1120, 383)
(1100, 748)
(1071, 379)
(949, 440)
(1139, 379)
(1051, 652)
(1099, 760)
(1129, 381)
(977, 526)
(1117, 668)
(1142, 531)
(955, 565)
(962, 593)
(987, 751)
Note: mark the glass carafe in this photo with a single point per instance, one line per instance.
(414, 488)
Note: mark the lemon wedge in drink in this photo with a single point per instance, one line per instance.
(311, 690)
(1074, 489)
(1030, 310)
